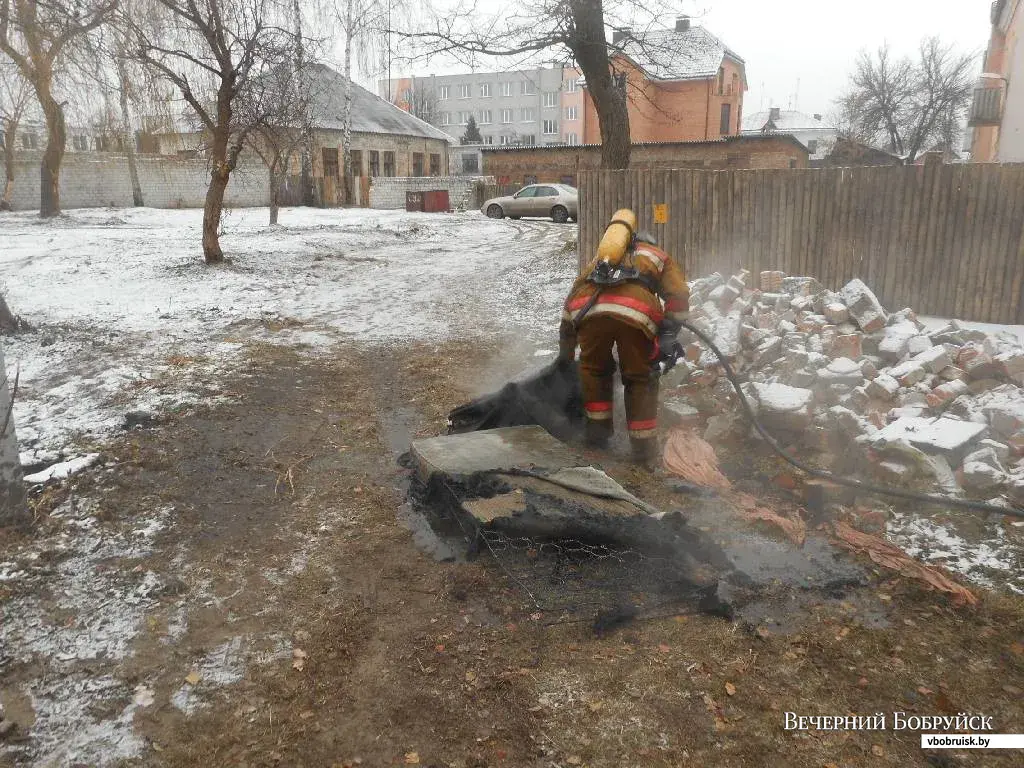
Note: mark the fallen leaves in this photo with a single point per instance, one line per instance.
(877, 750)
(193, 677)
(299, 657)
(412, 758)
(730, 689)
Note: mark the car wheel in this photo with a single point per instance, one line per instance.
(495, 212)
(559, 214)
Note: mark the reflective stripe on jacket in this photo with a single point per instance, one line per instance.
(633, 302)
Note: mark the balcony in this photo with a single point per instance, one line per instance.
(987, 106)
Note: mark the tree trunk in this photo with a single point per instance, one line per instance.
(12, 489)
(306, 158)
(346, 142)
(56, 138)
(591, 51)
(219, 176)
(129, 139)
(275, 190)
(10, 134)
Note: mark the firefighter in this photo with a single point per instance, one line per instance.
(631, 297)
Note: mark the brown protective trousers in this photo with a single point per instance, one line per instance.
(597, 337)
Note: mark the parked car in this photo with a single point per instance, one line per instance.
(559, 201)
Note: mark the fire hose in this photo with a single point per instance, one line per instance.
(823, 474)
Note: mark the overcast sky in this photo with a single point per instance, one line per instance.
(800, 52)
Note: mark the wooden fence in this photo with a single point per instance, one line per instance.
(947, 240)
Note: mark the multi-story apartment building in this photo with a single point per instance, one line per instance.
(997, 112)
(520, 107)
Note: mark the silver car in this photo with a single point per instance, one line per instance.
(558, 201)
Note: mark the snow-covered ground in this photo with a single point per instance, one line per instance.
(130, 318)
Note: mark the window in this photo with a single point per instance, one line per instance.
(435, 165)
(506, 89)
(550, 127)
(464, 91)
(530, 180)
(735, 86)
(572, 138)
(445, 92)
(569, 181)
(528, 88)
(812, 146)
(528, 139)
(570, 113)
(572, 85)
(726, 119)
(29, 141)
(506, 116)
(546, 192)
(485, 117)
(389, 163)
(357, 162)
(464, 117)
(485, 90)
(528, 191)
(550, 98)
(80, 143)
(330, 158)
(470, 164)
(446, 118)
(721, 81)
(374, 163)
(503, 140)
(528, 115)
(488, 139)
(417, 163)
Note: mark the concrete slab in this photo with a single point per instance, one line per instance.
(943, 435)
(491, 450)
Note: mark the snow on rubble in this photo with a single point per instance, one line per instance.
(933, 405)
(128, 317)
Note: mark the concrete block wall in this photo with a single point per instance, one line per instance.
(97, 180)
(389, 191)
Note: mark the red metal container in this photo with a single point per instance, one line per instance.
(436, 201)
(414, 201)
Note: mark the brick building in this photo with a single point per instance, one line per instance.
(561, 164)
(682, 84)
(997, 111)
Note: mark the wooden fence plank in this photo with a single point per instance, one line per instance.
(945, 240)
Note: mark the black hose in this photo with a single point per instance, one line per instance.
(825, 474)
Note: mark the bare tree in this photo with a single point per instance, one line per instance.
(37, 36)
(213, 47)
(15, 99)
(280, 109)
(423, 100)
(907, 105)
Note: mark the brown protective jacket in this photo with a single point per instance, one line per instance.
(631, 302)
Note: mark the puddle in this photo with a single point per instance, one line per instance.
(817, 565)
(427, 540)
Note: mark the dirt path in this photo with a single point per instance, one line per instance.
(286, 617)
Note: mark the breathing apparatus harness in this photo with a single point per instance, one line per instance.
(607, 275)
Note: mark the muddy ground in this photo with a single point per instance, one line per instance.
(290, 619)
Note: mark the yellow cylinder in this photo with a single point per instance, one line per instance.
(617, 237)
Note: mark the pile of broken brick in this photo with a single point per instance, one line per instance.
(883, 396)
